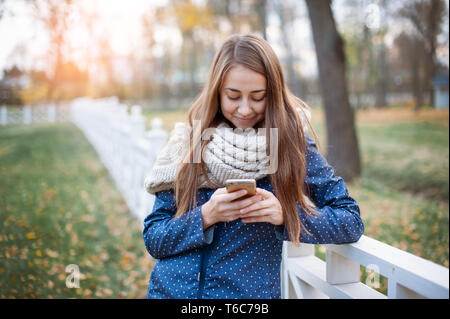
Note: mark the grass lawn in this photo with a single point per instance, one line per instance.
(58, 206)
(403, 191)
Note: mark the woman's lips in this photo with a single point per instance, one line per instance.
(246, 120)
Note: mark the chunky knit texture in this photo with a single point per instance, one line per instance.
(231, 153)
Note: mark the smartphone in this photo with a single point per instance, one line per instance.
(237, 184)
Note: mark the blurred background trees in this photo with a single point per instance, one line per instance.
(426, 18)
(390, 47)
(158, 53)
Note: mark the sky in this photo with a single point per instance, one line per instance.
(119, 21)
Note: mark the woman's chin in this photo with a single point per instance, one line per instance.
(244, 124)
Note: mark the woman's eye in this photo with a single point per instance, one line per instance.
(237, 98)
(259, 100)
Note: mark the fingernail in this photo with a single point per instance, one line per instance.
(243, 210)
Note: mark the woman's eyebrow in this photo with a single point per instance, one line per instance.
(236, 90)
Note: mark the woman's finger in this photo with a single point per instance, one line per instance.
(231, 215)
(241, 203)
(256, 206)
(259, 212)
(219, 191)
(264, 193)
(229, 197)
(257, 219)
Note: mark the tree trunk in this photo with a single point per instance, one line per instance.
(262, 14)
(430, 71)
(415, 67)
(382, 78)
(342, 143)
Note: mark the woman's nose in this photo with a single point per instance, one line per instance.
(245, 108)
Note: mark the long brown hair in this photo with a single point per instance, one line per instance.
(255, 53)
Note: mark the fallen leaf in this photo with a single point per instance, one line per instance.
(49, 193)
(51, 253)
(31, 235)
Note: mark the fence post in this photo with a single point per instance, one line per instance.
(398, 291)
(291, 287)
(341, 270)
(121, 119)
(51, 112)
(4, 115)
(27, 114)
(157, 136)
(136, 134)
(127, 133)
(137, 120)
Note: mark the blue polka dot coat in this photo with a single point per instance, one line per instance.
(237, 260)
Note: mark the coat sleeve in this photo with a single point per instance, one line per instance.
(166, 235)
(338, 220)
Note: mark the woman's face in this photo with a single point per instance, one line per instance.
(243, 97)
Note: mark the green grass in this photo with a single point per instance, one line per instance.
(417, 155)
(404, 186)
(404, 179)
(59, 207)
(403, 190)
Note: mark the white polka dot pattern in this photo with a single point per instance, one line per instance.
(237, 260)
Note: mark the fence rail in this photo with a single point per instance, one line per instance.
(128, 150)
(35, 114)
(409, 277)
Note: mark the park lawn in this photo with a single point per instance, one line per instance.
(59, 207)
(403, 191)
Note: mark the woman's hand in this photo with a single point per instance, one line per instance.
(268, 210)
(220, 208)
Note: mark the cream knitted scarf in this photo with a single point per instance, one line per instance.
(231, 153)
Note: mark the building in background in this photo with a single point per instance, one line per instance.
(440, 86)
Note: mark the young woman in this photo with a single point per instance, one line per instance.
(212, 244)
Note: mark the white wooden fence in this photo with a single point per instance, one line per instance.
(36, 114)
(303, 275)
(124, 145)
(128, 151)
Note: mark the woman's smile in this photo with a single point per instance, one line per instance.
(245, 120)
